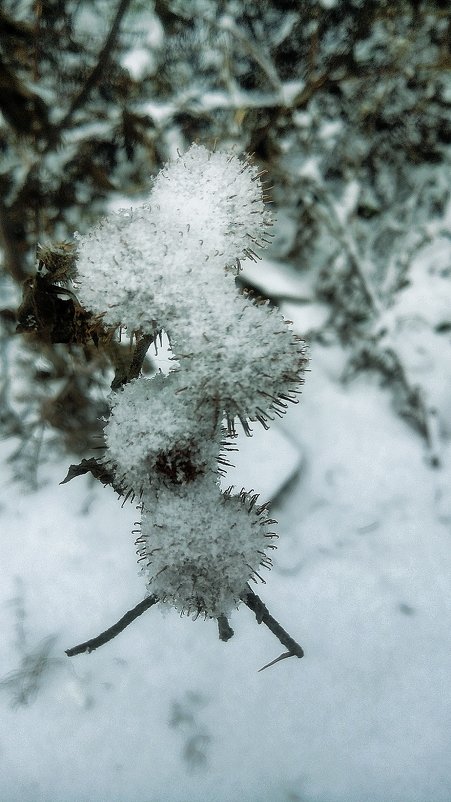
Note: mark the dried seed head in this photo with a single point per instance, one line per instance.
(241, 354)
(200, 547)
(215, 201)
(155, 433)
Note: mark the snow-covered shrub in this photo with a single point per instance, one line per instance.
(167, 265)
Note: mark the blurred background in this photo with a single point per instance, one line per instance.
(346, 104)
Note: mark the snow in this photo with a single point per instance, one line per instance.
(166, 711)
(274, 279)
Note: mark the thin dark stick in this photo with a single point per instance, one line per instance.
(111, 633)
(139, 354)
(141, 348)
(225, 630)
(263, 616)
(102, 62)
(13, 263)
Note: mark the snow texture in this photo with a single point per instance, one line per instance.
(361, 579)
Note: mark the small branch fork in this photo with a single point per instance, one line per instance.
(249, 598)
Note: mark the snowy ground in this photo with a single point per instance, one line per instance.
(168, 713)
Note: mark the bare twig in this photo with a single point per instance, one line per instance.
(102, 63)
(225, 630)
(139, 354)
(13, 261)
(263, 616)
(343, 233)
(418, 407)
(116, 629)
(251, 48)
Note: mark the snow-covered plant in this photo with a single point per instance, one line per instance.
(171, 265)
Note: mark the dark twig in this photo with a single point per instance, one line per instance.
(262, 615)
(102, 63)
(225, 630)
(139, 354)
(111, 633)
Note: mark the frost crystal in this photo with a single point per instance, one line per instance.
(200, 547)
(126, 273)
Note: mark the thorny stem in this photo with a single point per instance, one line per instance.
(263, 616)
(116, 629)
(249, 598)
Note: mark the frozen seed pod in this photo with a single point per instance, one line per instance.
(199, 547)
(155, 434)
(122, 273)
(242, 356)
(216, 202)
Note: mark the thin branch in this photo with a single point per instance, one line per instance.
(253, 49)
(336, 226)
(225, 630)
(102, 62)
(263, 616)
(111, 633)
(137, 361)
(13, 261)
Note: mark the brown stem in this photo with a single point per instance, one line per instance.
(141, 348)
(111, 633)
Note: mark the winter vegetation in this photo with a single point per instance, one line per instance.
(202, 205)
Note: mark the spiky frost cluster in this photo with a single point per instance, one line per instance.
(155, 433)
(200, 547)
(225, 215)
(167, 266)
